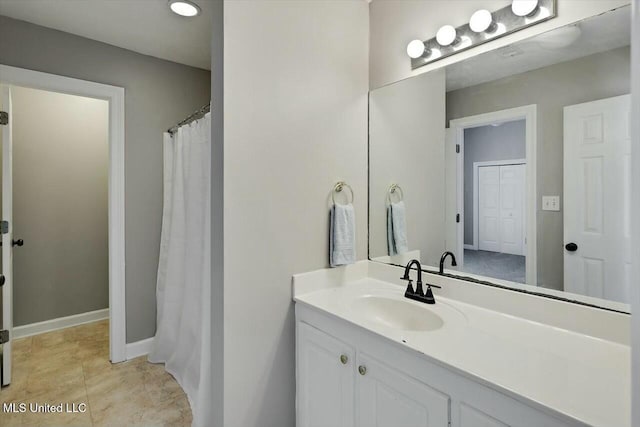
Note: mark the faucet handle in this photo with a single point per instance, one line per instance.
(409, 290)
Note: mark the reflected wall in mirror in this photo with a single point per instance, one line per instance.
(517, 161)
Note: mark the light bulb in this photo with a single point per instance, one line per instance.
(184, 8)
(524, 7)
(446, 35)
(415, 49)
(481, 21)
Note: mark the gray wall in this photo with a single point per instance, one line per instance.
(295, 122)
(158, 94)
(406, 147)
(598, 76)
(482, 144)
(60, 170)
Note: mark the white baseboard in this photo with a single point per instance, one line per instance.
(471, 247)
(139, 348)
(59, 323)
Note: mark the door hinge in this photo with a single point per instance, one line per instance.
(4, 337)
(457, 217)
(4, 227)
(457, 148)
(4, 118)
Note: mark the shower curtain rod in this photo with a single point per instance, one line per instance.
(200, 113)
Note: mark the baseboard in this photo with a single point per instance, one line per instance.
(139, 348)
(471, 247)
(59, 323)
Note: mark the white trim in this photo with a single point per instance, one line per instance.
(470, 247)
(115, 96)
(476, 200)
(139, 348)
(529, 114)
(59, 323)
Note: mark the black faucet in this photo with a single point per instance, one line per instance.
(444, 257)
(417, 295)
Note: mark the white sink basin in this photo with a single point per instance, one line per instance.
(397, 314)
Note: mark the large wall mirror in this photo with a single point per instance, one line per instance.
(517, 161)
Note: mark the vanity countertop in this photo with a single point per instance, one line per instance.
(576, 375)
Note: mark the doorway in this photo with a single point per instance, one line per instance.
(493, 156)
(110, 100)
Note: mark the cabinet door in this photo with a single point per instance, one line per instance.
(389, 398)
(325, 380)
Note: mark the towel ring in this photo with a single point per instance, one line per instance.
(338, 188)
(392, 190)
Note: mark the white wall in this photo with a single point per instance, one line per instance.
(295, 122)
(396, 23)
(635, 152)
(406, 147)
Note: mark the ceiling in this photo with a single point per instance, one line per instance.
(597, 34)
(145, 26)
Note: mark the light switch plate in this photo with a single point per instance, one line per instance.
(551, 203)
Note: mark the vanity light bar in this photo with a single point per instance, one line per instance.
(497, 24)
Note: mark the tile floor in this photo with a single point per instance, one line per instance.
(72, 366)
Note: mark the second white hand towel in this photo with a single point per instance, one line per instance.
(397, 229)
(342, 235)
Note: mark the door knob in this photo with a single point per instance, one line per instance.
(571, 247)
(18, 242)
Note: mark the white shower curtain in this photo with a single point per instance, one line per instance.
(182, 340)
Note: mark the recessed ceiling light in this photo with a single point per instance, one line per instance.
(184, 7)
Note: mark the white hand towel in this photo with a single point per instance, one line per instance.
(397, 229)
(342, 235)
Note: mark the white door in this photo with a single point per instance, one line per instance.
(387, 398)
(501, 208)
(597, 181)
(7, 251)
(489, 208)
(512, 188)
(451, 210)
(325, 380)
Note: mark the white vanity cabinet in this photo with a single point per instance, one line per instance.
(338, 388)
(349, 376)
(325, 365)
(386, 397)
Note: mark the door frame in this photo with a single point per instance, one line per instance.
(476, 199)
(529, 114)
(114, 95)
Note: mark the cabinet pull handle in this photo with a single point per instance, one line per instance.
(344, 359)
(362, 370)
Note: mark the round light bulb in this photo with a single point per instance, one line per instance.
(446, 35)
(184, 8)
(415, 49)
(524, 7)
(480, 21)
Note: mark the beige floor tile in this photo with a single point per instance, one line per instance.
(72, 366)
